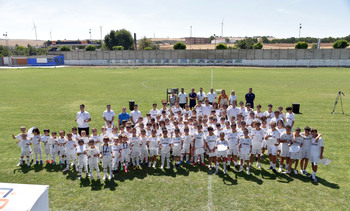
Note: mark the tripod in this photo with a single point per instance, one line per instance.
(336, 101)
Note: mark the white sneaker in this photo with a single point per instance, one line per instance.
(301, 171)
(66, 169)
(149, 165)
(286, 172)
(154, 165)
(110, 177)
(225, 172)
(258, 165)
(28, 164)
(19, 164)
(161, 167)
(104, 177)
(240, 169)
(279, 169)
(295, 171)
(87, 174)
(71, 164)
(248, 172)
(314, 178)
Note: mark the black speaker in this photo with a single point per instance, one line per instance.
(131, 105)
(296, 108)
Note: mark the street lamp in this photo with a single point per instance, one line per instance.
(8, 49)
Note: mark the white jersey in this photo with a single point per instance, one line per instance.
(269, 116)
(258, 114)
(54, 144)
(153, 142)
(211, 141)
(187, 140)
(70, 148)
(316, 147)
(286, 137)
(81, 149)
(257, 136)
(154, 113)
(92, 152)
(96, 140)
(144, 141)
(182, 97)
(201, 96)
(233, 140)
(135, 141)
(245, 143)
(307, 142)
(165, 143)
(199, 140)
(106, 150)
(46, 141)
(290, 119)
(36, 142)
(116, 149)
(24, 144)
(211, 96)
(206, 110)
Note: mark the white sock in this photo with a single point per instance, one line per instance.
(235, 163)
(224, 164)
(217, 167)
(28, 160)
(187, 157)
(202, 158)
(271, 164)
(228, 162)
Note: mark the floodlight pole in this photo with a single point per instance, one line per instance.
(101, 35)
(190, 37)
(8, 49)
(299, 30)
(90, 33)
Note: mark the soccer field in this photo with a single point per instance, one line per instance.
(50, 98)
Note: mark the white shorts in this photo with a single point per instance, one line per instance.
(177, 151)
(285, 151)
(93, 163)
(82, 161)
(135, 154)
(233, 151)
(279, 147)
(125, 156)
(107, 161)
(199, 151)
(25, 153)
(272, 150)
(314, 158)
(144, 153)
(47, 149)
(305, 153)
(186, 149)
(153, 152)
(295, 155)
(37, 150)
(165, 154)
(221, 154)
(244, 156)
(212, 153)
(72, 156)
(256, 149)
(264, 145)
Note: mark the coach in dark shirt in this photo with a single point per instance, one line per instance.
(250, 97)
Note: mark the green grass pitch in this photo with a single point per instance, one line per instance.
(50, 98)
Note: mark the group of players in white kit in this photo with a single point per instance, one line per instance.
(222, 135)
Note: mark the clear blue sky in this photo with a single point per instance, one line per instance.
(73, 19)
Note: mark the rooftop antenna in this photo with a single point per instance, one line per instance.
(222, 28)
(36, 36)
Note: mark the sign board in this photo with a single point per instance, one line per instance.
(24, 197)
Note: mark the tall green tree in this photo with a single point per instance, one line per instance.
(120, 37)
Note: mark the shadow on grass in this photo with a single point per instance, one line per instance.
(53, 168)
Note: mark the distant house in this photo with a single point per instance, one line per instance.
(197, 40)
(218, 40)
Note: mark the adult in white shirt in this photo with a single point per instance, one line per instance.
(182, 97)
(135, 115)
(201, 95)
(207, 108)
(232, 110)
(211, 96)
(83, 118)
(108, 115)
(233, 97)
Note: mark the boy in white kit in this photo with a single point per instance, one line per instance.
(36, 141)
(186, 146)
(176, 146)
(165, 142)
(135, 144)
(285, 140)
(290, 117)
(24, 143)
(221, 152)
(71, 153)
(153, 144)
(81, 153)
(125, 153)
(117, 152)
(54, 147)
(245, 148)
(257, 136)
(61, 149)
(210, 143)
(295, 154)
(199, 147)
(233, 141)
(273, 140)
(305, 149)
(93, 154)
(144, 148)
(107, 158)
(316, 152)
(47, 145)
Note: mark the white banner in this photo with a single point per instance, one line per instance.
(41, 60)
(24, 197)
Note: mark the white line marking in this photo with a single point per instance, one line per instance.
(144, 85)
(210, 196)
